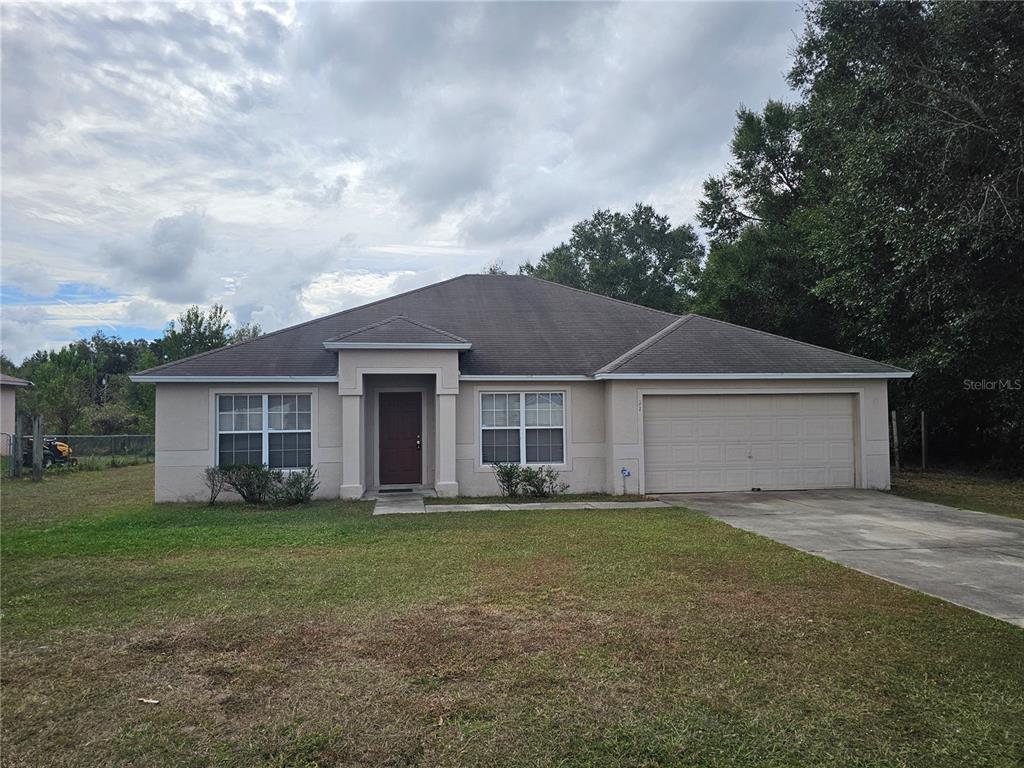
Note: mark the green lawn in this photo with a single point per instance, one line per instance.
(983, 493)
(324, 636)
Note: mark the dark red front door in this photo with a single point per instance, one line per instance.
(401, 438)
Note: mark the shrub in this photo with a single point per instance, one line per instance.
(541, 481)
(295, 488)
(253, 482)
(509, 477)
(213, 479)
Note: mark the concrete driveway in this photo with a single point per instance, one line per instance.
(968, 558)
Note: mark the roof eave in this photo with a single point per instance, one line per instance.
(141, 378)
(713, 376)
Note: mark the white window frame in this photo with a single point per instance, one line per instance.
(265, 423)
(521, 394)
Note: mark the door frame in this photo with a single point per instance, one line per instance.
(423, 438)
(859, 418)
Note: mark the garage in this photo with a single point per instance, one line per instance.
(738, 442)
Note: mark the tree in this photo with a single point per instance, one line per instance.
(246, 332)
(496, 267)
(64, 386)
(196, 331)
(913, 116)
(759, 272)
(636, 256)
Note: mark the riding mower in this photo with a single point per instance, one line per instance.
(54, 453)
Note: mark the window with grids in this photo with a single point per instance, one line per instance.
(275, 430)
(522, 427)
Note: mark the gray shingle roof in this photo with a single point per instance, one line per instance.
(520, 325)
(699, 345)
(398, 330)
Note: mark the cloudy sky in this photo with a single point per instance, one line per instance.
(294, 160)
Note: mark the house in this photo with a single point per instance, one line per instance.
(429, 388)
(9, 385)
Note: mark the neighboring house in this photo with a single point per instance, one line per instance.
(427, 389)
(9, 385)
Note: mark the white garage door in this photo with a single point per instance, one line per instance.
(739, 442)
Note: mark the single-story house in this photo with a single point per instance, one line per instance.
(427, 389)
(9, 385)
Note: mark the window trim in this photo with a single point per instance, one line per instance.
(266, 431)
(522, 428)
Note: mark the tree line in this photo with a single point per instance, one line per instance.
(83, 388)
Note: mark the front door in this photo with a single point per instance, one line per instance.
(401, 438)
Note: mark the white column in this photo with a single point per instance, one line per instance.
(351, 446)
(445, 483)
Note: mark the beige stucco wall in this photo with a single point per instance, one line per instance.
(584, 466)
(353, 364)
(185, 441)
(604, 424)
(624, 417)
(7, 410)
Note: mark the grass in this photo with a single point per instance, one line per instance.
(322, 636)
(983, 493)
(565, 497)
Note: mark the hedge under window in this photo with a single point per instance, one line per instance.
(275, 430)
(522, 427)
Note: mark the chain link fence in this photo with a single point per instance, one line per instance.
(87, 451)
(142, 446)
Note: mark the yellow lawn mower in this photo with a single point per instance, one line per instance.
(55, 452)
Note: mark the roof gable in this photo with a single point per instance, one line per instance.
(397, 331)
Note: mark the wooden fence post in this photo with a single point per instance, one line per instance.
(895, 442)
(16, 449)
(924, 442)
(37, 448)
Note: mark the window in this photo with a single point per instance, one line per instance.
(275, 430)
(522, 427)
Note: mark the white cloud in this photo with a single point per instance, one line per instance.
(295, 160)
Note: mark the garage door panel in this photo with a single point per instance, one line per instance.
(840, 452)
(711, 454)
(814, 427)
(736, 454)
(683, 428)
(813, 452)
(789, 453)
(840, 478)
(734, 428)
(788, 427)
(709, 428)
(738, 442)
